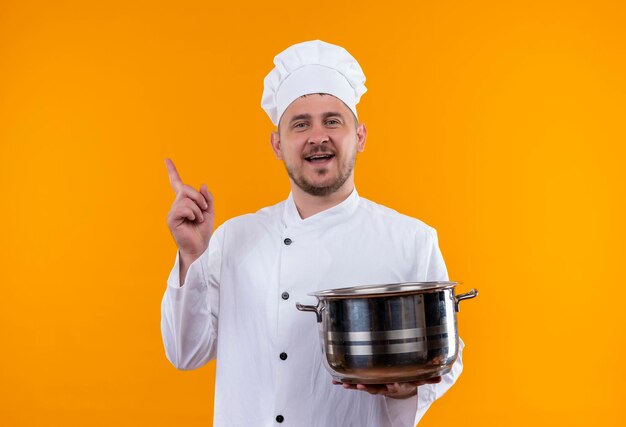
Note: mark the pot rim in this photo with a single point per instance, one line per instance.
(386, 290)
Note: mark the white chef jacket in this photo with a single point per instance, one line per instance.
(232, 307)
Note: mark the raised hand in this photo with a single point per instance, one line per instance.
(190, 218)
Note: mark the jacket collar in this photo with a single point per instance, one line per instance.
(338, 213)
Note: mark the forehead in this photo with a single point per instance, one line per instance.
(315, 104)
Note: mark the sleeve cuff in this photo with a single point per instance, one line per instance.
(195, 273)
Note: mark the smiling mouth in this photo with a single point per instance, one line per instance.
(319, 158)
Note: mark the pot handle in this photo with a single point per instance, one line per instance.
(314, 308)
(471, 294)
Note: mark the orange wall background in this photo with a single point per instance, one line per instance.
(499, 123)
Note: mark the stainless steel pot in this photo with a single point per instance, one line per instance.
(380, 334)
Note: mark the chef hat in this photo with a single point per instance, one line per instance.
(312, 67)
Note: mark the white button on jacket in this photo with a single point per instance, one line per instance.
(232, 308)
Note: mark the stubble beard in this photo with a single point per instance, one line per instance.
(315, 190)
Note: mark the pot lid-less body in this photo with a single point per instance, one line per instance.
(379, 334)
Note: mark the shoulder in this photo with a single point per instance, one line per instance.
(266, 218)
(390, 218)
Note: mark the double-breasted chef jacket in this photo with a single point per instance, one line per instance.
(238, 305)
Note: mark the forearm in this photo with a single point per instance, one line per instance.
(189, 317)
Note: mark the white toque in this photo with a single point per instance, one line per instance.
(312, 67)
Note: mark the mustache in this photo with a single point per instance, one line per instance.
(320, 149)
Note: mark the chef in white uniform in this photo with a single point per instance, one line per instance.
(231, 294)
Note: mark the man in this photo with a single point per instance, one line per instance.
(231, 294)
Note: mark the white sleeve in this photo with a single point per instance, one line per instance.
(401, 410)
(428, 393)
(189, 313)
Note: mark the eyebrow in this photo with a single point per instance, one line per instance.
(308, 116)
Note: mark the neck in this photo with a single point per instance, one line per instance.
(309, 205)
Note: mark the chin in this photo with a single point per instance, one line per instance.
(322, 183)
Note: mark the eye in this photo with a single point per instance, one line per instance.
(333, 122)
(299, 125)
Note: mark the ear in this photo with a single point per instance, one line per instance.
(275, 143)
(361, 134)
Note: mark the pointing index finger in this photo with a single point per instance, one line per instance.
(175, 181)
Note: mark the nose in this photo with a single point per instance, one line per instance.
(318, 135)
